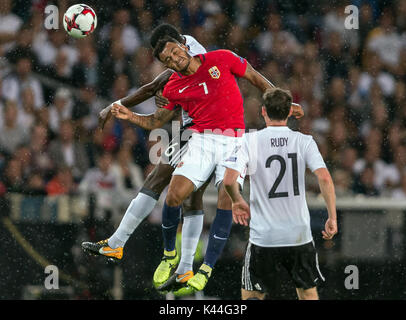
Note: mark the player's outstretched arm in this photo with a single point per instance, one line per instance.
(262, 83)
(328, 192)
(240, 208)
(145, 121)
(145, 92)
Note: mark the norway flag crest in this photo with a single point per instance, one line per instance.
(214, 72)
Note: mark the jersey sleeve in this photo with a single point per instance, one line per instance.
(312, 156)
(238, 159)
(237, 64)
(166, 93)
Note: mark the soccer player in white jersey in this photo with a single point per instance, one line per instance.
(142, 205)
(276, 158)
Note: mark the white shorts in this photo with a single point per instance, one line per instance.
(206, 153)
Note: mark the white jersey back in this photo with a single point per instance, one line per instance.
(195, 48)
(276, 159)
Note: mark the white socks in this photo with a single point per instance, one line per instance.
(191, 230)
(139, 208)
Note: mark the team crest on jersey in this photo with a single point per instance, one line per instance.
(214, 72)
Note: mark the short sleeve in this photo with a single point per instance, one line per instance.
(238, 159)
(172, 103)
(312, 156)
(237, 64)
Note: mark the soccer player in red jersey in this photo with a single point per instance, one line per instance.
(205, 87)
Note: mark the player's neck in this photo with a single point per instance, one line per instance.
(274, 123)
(194, 64)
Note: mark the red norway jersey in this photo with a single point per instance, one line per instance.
(211, 95)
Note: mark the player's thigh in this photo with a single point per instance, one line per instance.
(198, 163)
(302, 265)
(180, 187)
(195, 201)
(255, 269)
(159, 178)
(307, 294)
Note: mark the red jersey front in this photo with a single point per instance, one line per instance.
(211, 95)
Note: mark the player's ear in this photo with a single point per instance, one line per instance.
(263, 111)
(290, 111)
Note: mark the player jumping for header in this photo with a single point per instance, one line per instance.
(205, 87)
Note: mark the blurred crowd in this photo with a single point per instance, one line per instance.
(351, 83)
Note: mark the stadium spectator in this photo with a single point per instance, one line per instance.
(120, 28)
(9, 26)
(49, 44)
(66, 151)
(13, 176)
(12, 134)
(61, 109)
(85, 72)
(14, 83)
(62, 183)
(129, 176)
(364, 183)
(267, 40)
(114, 65)
(101, 182)
(386, 41)
(40, 159)
(400, 192)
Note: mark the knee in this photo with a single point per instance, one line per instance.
(174, 199)
(193, 203)
(155, 183)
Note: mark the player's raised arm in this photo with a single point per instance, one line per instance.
(264, 84)
(145, 121)
(145, 92)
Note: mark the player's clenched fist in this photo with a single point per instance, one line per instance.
(330, 229)
(120, 112)
(297, 110)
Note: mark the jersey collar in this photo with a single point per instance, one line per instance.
(278, 128)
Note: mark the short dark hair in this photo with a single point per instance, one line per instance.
(277, 103)
(161, 45)
(163, 30)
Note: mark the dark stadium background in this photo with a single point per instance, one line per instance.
(351, 84)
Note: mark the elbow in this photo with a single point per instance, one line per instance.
(326, 179)
(228, 183)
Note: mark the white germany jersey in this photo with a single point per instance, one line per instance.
(195, 48)
(276, 159)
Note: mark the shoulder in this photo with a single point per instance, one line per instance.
(219, 53)
(172, 81)
(190, 40)
(305, 138)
